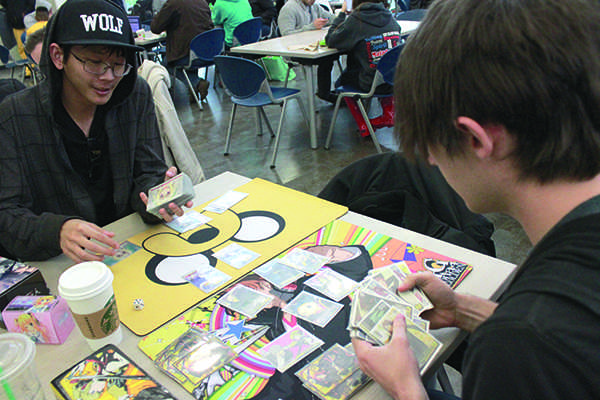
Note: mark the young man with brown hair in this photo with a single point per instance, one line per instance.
(503, 96)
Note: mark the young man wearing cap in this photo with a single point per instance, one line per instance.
(503, 97)
(81, 148)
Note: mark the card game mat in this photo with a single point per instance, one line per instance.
(270, 219)
(352, 251)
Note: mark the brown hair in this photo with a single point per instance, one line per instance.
(532, 66)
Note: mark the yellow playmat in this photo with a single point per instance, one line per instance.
(269, 220)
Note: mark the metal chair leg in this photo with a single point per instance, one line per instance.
(229, 129)
(278, 135)
(192, 90)
(369, 126)
(333, 119)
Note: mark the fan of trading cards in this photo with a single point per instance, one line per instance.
(376, 303)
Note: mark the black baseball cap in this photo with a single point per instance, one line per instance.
(93, 22)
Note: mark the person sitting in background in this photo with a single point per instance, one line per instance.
(39, 17)
(365, 35)
(503, 97)
(304, 15)
(82, 147)
(265, 9)
(182, 20)
(33, 44)
(229, 14)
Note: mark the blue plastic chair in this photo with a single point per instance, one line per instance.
(384, 73)
(203, 48)
(248, 31)
(247, 83)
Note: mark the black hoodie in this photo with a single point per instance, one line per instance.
(366, 34)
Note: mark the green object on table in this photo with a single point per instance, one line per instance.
(276, 68)
(322, 43)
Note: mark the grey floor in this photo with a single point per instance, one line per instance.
(298, 166)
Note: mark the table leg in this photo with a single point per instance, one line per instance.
(312, 112)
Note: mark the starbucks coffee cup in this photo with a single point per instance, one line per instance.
(87, 288)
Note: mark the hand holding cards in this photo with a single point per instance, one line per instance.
(178, 190)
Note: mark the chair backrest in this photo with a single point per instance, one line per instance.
(242, 77)
(248, 31)
(387, 63)
(134, 21)
(4, 54)
(206, 45)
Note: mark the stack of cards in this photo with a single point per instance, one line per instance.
(334, 375)
(376, 303)
(193, 356)
(179, 190)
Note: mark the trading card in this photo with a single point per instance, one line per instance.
(278, 274)
(364, 301)
(245, 300)
(125, 249)
(424, 344)
(348, 387)
(206, 278)
(290, 347)
(304, 260)
(225, 202)
(192, 219)
(372, 324)
(373, 286)
(235, 255)
(421, 323)
(332, 284)
(314, 309)
(205, 359)
(329, 369)
(356, 333)
(185, 343)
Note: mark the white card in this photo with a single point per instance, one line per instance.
(225, 202)
(190, 220)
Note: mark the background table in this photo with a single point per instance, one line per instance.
(488, 279)
(287, 46)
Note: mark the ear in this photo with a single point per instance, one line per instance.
(57, 55)
(480, 139)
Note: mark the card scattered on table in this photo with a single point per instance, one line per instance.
(287, 349)
(236, 255)
(245, 300)
(314, 309)
(278, 274)
(179, 190)
(192, 219)
(206, 278)
(225, 202)
(332, 284)
(125, 250)
(304, 260)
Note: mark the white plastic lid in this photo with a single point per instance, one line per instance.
(17, 352)
(84, 280)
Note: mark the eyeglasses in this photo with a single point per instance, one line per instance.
(100, 67)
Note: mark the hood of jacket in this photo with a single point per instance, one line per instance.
(374, 14)
(54, 75)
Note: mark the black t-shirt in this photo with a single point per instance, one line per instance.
(543, 340)
(90, 158)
